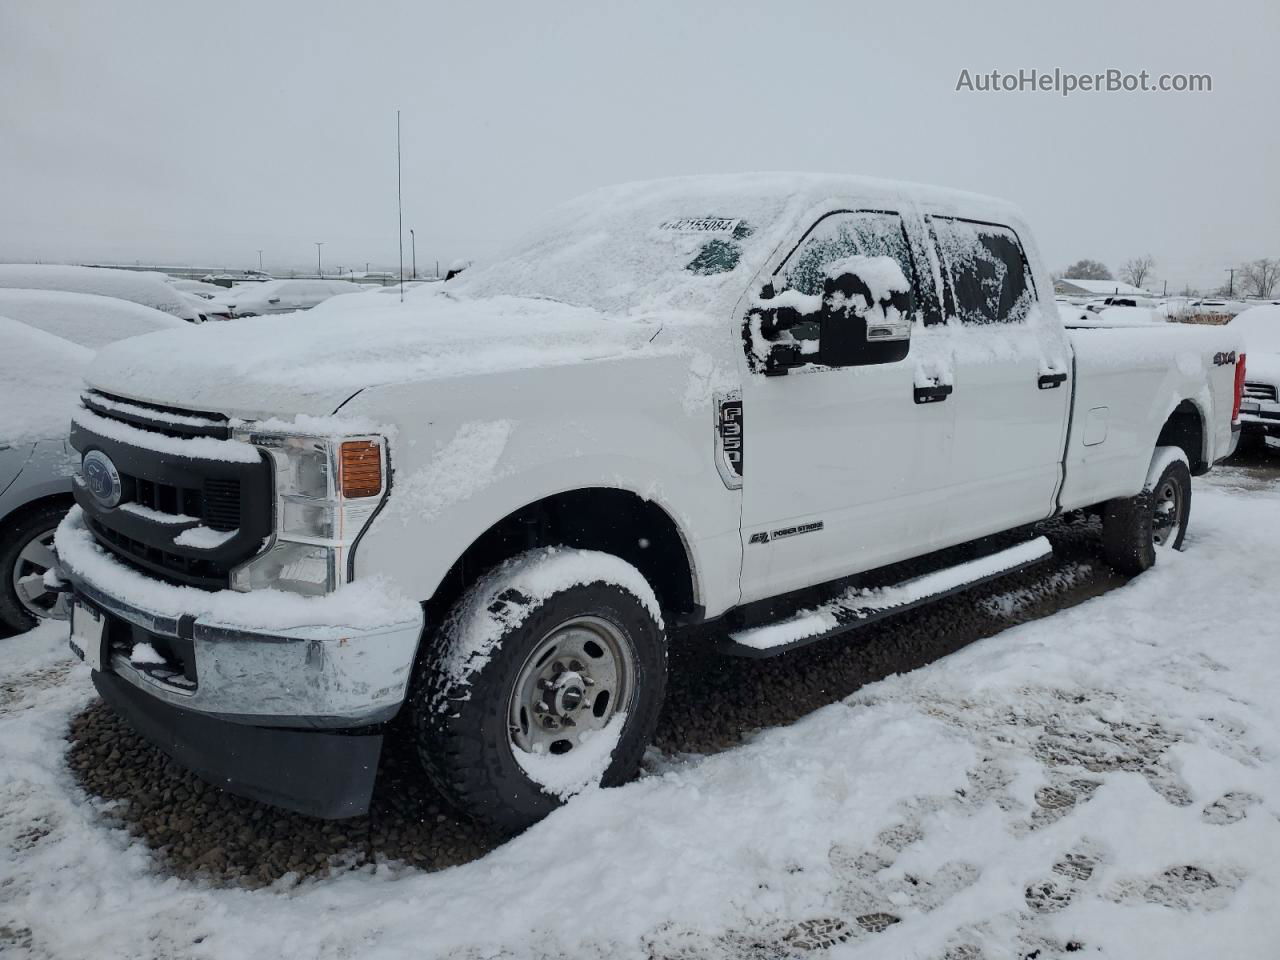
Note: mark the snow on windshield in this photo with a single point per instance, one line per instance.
(685, 245)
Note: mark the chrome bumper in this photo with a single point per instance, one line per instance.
(313, 677)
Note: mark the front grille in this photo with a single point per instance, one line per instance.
(169, 421)
(1259, 391)
(221, 507)
(164, 493)
(194, 570)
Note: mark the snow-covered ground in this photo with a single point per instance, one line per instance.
(1103, 782)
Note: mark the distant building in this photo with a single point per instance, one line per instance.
(1096, 288)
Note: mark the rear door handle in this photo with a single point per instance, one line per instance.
(934, 394)
(1051, 381)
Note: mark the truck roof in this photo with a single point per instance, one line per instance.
(687, 243)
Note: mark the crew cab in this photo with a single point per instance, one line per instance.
(488, 509)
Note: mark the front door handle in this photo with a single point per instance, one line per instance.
(933, 394)
(1051, 381)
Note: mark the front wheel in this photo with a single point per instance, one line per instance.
(1136, 529)
(546, 679)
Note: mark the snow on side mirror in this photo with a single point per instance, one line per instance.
(866, 313)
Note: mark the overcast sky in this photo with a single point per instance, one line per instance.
(201, 132)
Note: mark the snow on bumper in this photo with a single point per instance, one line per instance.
(265, 657)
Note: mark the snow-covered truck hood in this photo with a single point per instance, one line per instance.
(310, 363)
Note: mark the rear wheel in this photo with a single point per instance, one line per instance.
(26, 554)
(536, 694)
(1136, 529)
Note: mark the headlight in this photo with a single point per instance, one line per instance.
(327, 490)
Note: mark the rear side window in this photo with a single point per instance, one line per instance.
(986, 271)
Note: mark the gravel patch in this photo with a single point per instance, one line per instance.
(197, 831)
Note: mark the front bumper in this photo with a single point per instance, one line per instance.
(1260, 416)
(290, 716)
(300, 677)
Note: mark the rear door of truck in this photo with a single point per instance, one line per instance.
(1011, 380)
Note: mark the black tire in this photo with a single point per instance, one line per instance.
(15, 535)
(460, 723)
(1129, 528)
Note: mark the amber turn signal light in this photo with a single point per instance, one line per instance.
(361, 466)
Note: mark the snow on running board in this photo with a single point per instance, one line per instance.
(857, 606)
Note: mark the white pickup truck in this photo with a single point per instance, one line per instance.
(485, 510)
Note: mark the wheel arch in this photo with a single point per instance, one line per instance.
(611, 519)
(1185, 427)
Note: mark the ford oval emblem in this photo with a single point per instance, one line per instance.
(101, 477)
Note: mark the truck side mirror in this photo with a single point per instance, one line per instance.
(861, 325)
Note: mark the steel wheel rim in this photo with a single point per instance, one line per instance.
(575, 680)
(27, 576)
(1166, 513)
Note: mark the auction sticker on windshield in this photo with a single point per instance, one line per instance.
(700, 225)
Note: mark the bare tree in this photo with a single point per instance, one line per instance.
(1260, 277)
(1087, 270)
(1137, 269)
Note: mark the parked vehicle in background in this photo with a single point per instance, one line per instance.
(197, 288)
(747, 398)
(148, 289)
(87, 319)
(1259, 328)
(281, 296)
(47, 337)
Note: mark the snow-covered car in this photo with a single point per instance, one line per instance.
(1259, 328)
(87, 319)
(197, 288)
(742, 401)
(148, 289)
(46, 339)
(281, 296)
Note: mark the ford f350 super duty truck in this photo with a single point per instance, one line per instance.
(485, 510)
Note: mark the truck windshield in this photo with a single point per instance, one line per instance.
(623, 251)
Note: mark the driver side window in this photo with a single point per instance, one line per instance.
(788, 310)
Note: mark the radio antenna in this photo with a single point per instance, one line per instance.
(399, 208)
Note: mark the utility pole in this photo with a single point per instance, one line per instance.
(413, 243)
(259, 261)
(319, 244)
(1231, 282)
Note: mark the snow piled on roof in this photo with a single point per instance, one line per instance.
(39, 382)
(87, 319)
(146, 289)
(629, 248)
(1106, 288)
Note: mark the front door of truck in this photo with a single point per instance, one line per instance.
(845, 466)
